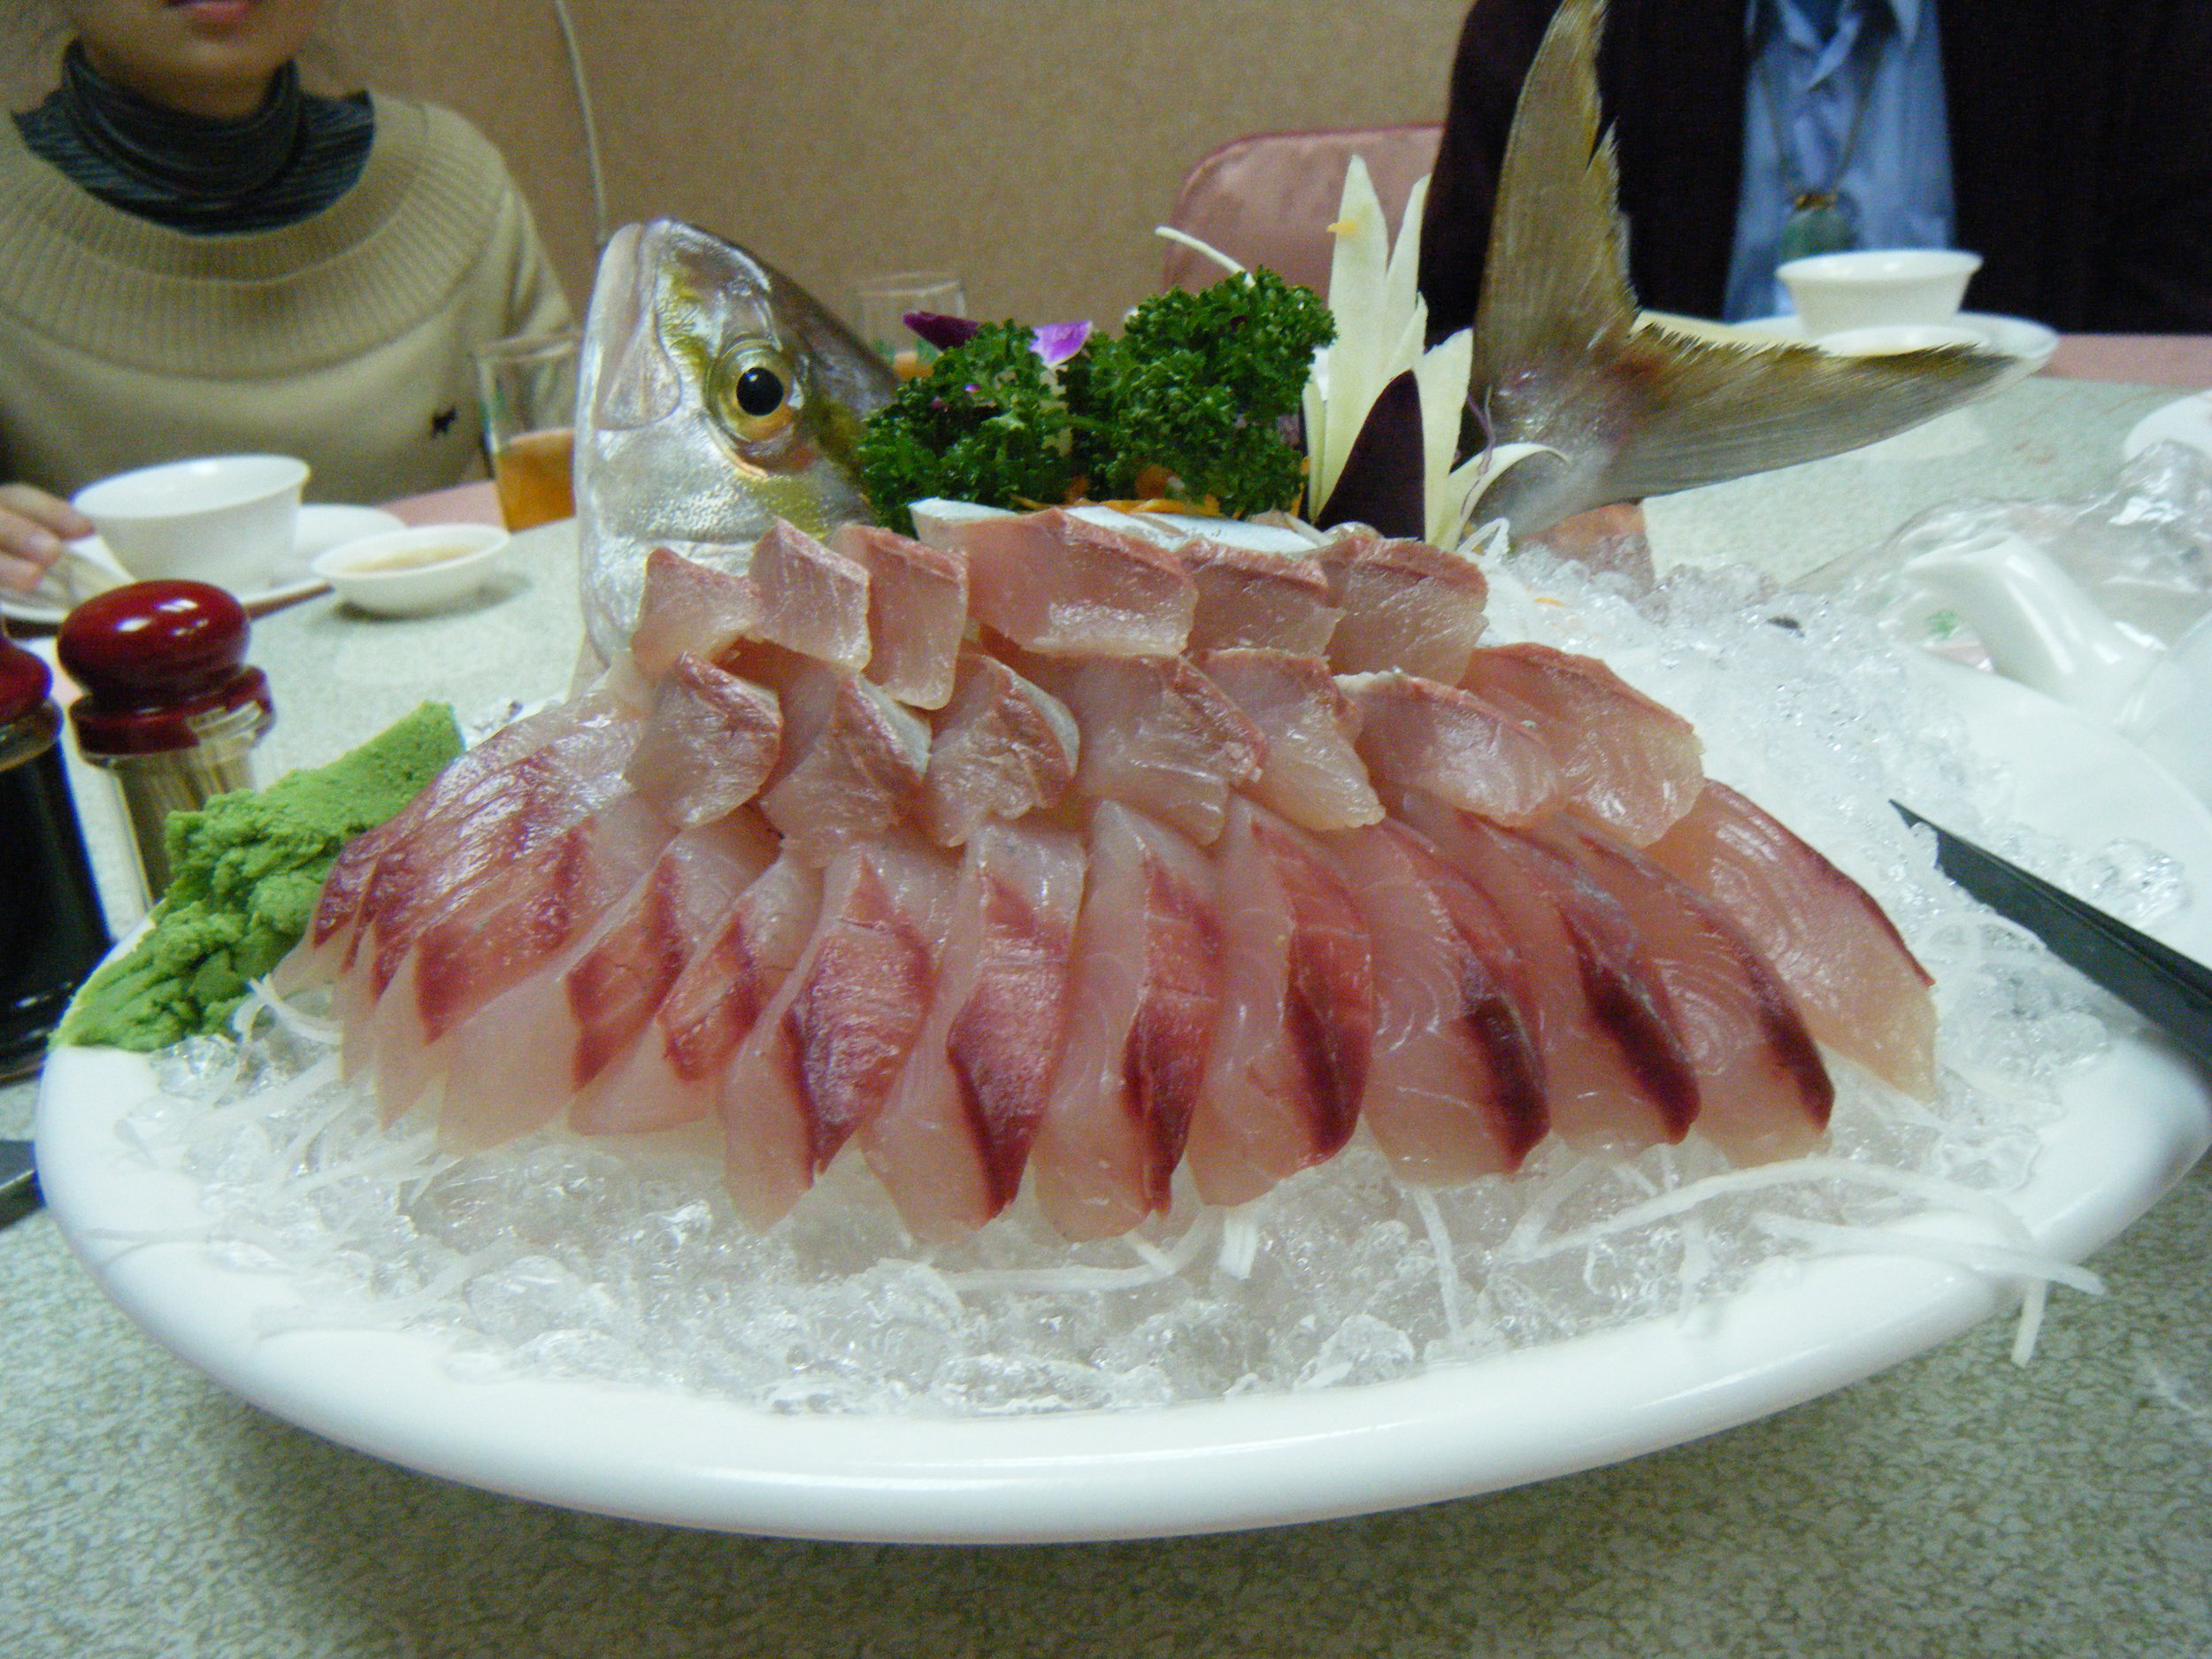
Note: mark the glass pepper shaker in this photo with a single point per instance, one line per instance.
(171, 707)
(53, 932)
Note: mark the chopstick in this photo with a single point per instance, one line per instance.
(2173, 991)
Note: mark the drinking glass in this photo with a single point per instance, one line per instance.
(885, 301)
(527, 387)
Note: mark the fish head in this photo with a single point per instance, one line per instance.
(716, 396)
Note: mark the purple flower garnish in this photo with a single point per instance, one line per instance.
(937, 329)
(1056, 343)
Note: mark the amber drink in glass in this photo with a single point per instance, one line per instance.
(527, 387)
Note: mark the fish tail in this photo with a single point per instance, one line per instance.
(1635, 405)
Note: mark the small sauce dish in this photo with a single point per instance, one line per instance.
(407, 572)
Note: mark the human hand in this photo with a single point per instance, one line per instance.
(32, 526)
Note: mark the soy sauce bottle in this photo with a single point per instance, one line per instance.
(52, 933)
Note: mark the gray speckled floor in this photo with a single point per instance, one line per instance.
(1952, 1505)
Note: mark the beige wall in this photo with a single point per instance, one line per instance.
(1029, 144)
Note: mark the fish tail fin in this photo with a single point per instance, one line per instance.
(1635, 405)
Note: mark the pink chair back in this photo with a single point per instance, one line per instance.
(1270, 199)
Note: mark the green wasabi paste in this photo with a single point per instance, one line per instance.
(249, 867)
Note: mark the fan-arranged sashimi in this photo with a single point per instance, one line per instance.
(1066, 859)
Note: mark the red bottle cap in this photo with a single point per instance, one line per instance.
(158, 660)
(24, 681)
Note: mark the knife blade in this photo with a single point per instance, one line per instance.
(2173, 991)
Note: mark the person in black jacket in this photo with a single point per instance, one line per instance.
(2080, 139)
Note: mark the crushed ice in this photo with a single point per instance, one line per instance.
(558, 1256)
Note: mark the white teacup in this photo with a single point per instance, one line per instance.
(1877, 287)
(228, 519)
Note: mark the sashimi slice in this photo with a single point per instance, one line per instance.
(1423, 735)
(689, 606)
(327, 946)
(572, 767)
(709, 744)
(1145, 991)
(851, 764)
(1288, 1058)
(1001, 746)
(1247, 597)
(1457, 1087)
(1053, 582)
(519, 1060)
(1625, 762)
(1309, 771)
(1407, 605)
(1619, 1071)
(1156, 735)
(813, 600)
(447, 858)
(918, 611)
(669, 1076)
(1856, 983)
(823, 1054)
(951, 1143)
(1763, 1094)
(506, 931)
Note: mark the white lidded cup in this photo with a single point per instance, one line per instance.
(228, 519)
(1875, 288)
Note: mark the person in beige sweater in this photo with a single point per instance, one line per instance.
(197, 257)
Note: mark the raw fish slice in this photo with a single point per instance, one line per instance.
(1619, 1071)
(1763, 1092)
(852, 762)
(950, 1143)
(323, 949)
(709, 744)
(1001, 746)
(1422, 734)
(670, 1078)
(1407, 605)
(1145, 993)
(1247, 597)
(471, 777)
(689, 606)
(571, 768)
(823, 1054)
(1156, 735)
(504, 931)
(813, 600)
(1457, 1087)
(1631, 764)
(1310, 771)
(517, 1062)
(1855, 982)
(1053, 582)
(918, 611)
(1289, 1054)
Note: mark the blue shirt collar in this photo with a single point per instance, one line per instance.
(1905, 13)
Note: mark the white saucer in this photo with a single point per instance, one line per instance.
(2031, 343)
(320, 529)
(2185, 420)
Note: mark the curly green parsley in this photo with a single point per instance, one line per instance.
(1202, 387)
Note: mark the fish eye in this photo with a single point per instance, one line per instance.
(759, 391)
(752, 393)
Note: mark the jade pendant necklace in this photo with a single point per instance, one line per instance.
(1819, 221)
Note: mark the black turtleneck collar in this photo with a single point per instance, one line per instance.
(292, 156)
